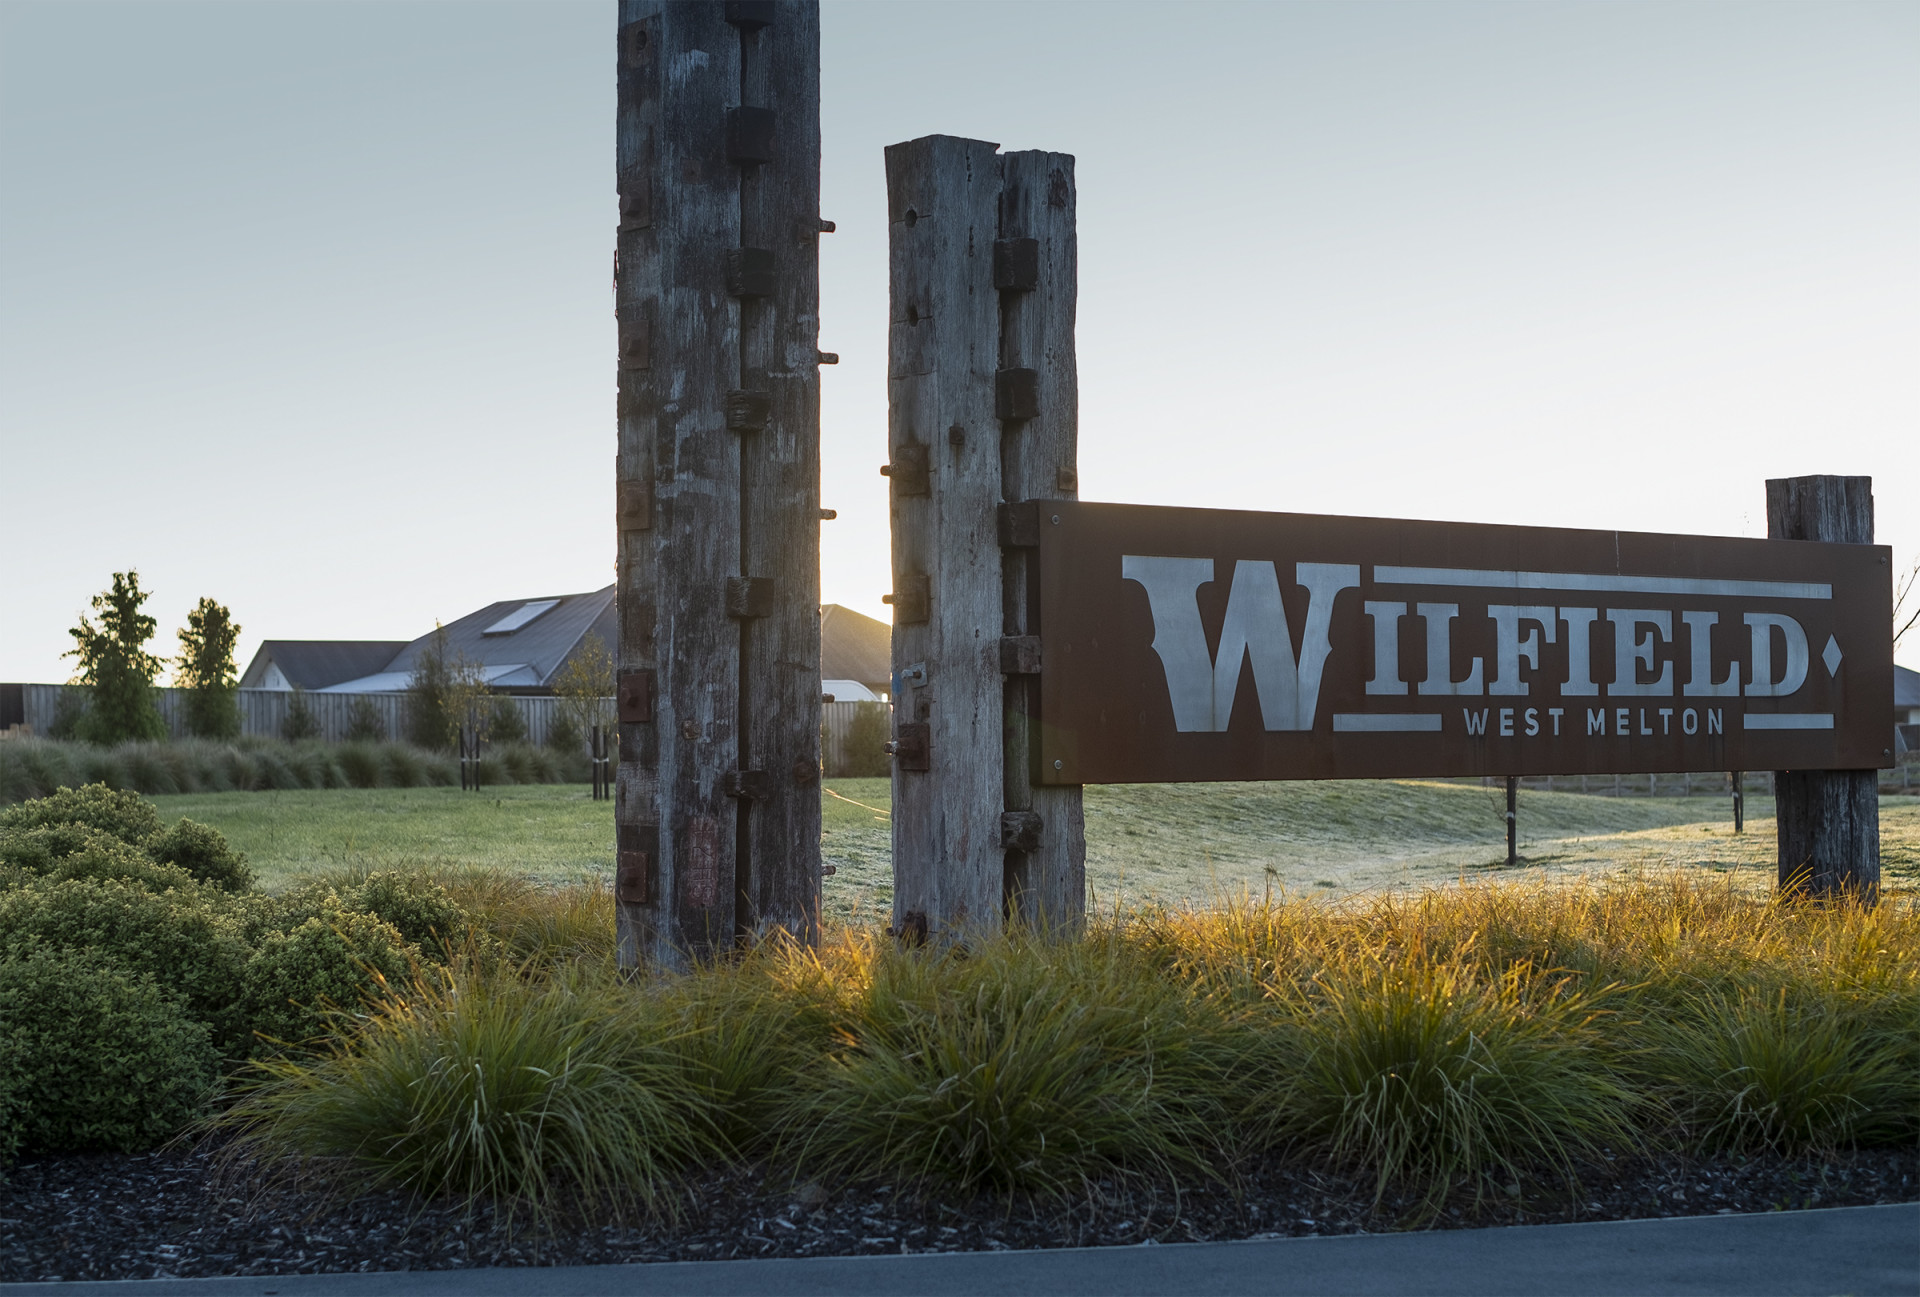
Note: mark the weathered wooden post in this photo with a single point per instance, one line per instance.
(717, 288)
(1828, 821)
(983, 397)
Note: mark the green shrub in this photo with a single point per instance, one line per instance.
(564, 734)
(203, 852)
(57, 851)
(299, 723)
(543, 1095)
(188, 947)
(864, 754)
(507, 723)
(332, 963)
(365, 724)
(419, 909)
(124, 815)
(95, 1056)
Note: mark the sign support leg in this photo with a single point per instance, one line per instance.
(1828, 820)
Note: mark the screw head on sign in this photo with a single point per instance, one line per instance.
(1058, 764)
(1056, 520)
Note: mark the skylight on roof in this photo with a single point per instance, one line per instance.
(520, 616)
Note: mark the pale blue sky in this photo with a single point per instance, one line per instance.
(306, 306)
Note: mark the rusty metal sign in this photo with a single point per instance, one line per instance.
(1201, 644)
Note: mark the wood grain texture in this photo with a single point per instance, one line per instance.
(679, 73)
(1827, 822)
(1047, 885)
(778, 869)
(942, 195)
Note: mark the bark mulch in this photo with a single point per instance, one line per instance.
(168, 1214)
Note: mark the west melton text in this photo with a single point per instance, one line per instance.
(1187, 644)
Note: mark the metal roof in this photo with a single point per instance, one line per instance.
(1906, 687)
(854, 646)
(318, 663)
(526, 657)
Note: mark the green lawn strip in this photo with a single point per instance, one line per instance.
(550, 831)
(1175, 842)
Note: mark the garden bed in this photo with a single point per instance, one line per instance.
(173, 1214)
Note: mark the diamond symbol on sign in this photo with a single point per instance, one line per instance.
(1831, 655)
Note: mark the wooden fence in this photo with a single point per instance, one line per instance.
(264, 711)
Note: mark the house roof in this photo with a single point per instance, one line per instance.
(1906, 687)
(318, 663)
(854, 646)
(517, 643)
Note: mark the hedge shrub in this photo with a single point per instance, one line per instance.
(332, 962)
(203, 852)
(123, 815)
(186, 945)
(95, 1057)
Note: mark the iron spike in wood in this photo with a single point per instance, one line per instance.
(1020, 525)
(909, 470)
(636, 349)
(1016, 394)
(910, 746)
(635, 697)
(750, 15)
(750, 596)
(747, 411)
(749, 136)
(1020, 831)
(1020, 655)
(636, 506)
(1016, 265)
(750, 785)
(828, 515)
(1066, 479)
(912, 602)
(827, 358)
(826, 227)
(750, 272)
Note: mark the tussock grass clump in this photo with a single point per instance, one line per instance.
(1436, 1045)
(492, 1089)
(1016, 1065)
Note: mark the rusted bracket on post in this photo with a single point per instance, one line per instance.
(1020, 830)
(1016, 265)
(753, 785)
(750, 596)
(749, 136)
(747, 411)
(636, 846)
(1020, 655)
(1016, 394)
(910, 746)
(750, 272)
(913, 601)
(635, 506)
(634, 699)
(909, 472)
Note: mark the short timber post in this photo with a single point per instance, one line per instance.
(1739, 801)
(983, 396)
(1828, 820)
(1513, 821)
(717, 284)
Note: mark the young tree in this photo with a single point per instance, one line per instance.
(205, 669)
(427, 721)
(584, 687)
(116, 668)
(469, 700)
(299, 722)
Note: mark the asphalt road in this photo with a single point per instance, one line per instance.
(1850, 1250)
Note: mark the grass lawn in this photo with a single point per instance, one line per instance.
(1175, 842)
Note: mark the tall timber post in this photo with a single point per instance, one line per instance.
(717, 801)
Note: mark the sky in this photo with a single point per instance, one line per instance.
(307, 307)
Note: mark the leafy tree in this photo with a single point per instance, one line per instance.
(507, 724)
(585, 687)
(205, 669)
(116, 668)
(469, 700)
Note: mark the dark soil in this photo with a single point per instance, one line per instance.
(169, 1214)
